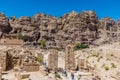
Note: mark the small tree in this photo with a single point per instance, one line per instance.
(39, 58)
(106, 68)
(42, 43)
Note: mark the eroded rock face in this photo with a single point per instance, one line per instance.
(19, 24)
(4, 24)
(78, 27)
(31, 36)
(24, 26)
(108, 31)
(71, 28)
(106, 23)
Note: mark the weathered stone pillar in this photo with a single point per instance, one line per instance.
(70, 58)
(53, 59)
(82, 64)
(3, 62)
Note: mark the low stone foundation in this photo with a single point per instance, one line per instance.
(22, 76)
(30, 68)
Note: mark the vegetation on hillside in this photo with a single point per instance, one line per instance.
(42, 43)
(20, 36)
(79, 46)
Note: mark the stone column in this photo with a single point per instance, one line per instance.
(70, 58)
(53, 59)
(82, 64)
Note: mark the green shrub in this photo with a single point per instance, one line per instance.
(20, 36)
(113, 65)
(106, 68)
(57, 75)
(39, 58)
(42, 43)
(79, 46)
(56, 48)
(112, 55)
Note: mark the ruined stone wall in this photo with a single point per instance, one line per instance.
(5, 61)
(70, 58)
(21, 76)
(8, 41)
(30, 68)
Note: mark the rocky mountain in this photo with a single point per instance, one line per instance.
(71, 28)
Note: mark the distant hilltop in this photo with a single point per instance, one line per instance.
(51, 32)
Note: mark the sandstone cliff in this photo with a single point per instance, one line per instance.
(71, 28)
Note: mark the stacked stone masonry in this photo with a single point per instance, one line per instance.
(53, 59)
(83, 64)
(70, 58)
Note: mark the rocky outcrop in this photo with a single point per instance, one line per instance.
(4, 24)
(108, 31)
(78, 27)
(70, 28)
(24, 26)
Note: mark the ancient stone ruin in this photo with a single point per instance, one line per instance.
(23, 60)
(82, 64)
(70, 58)
(11, 39)
(6, 61)
(30, 67)
(22, 76)
(3, 61)
(29, 64)
(53, 59)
